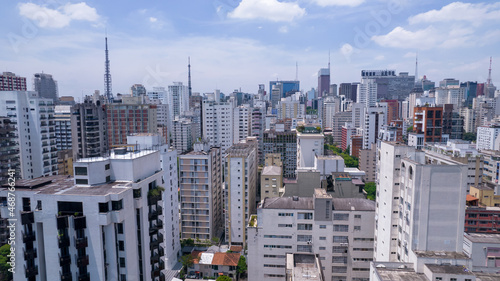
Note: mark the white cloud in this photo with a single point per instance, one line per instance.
(272, 10)
(401, 38)
(153, 19)
(60, 17)
(380, 57)
(459, 11)
(283, 29)
(410, 55)
(350, 3)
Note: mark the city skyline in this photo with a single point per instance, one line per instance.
(235, 44)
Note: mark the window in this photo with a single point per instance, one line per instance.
(340, 227)
(119, 228)
(123, 277)
(340, 217)
(108, 178)
(322, 248)
(357, 216)
(106, 167)
(122, 262)
(81, 181)
(137, 193)
(304, 238)
(305, 216)
(81, 171)
(339, 269)
(339, 260)
(284, 225)
(285, 214)
(340, 239)
(304, 226)
(103, 207)
(121, 245)
(304, 248)
(357, 227)
(117, 205)
(322, 238)
(322, 226)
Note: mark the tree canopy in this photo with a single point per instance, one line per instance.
(5, 274)
(223, 278)
(349, 161)
(371, 190)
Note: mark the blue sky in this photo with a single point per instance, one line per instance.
(239, 44)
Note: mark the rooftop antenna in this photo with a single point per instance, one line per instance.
(328, 61)
(416, 69)
(296, 71)
(107, 74)
(189, 76)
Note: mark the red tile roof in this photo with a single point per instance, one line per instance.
(229, 259)
(236, 249)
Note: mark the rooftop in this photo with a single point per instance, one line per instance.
(240, 149)
(440, 255)
(353, 204)
(393, 274)
(297, 203)
(449, 269)
(271, 171)
(321, 193)
(483, 237)
(485, 186)
(303, 267)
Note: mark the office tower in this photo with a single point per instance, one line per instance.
(46, 86)
(66, 100)
(487, 137)
(333, 90)
(124, 228)
(367, 93)
(33, 118)
(448, 82)
(428, 120)
(323, 82)
(347, 132)
(157, 94)
(390, 85)
(420, 203)
(137, 90)
(9, 151)
(241, 123)
(10, 82)
(124, 119)
(339, 230)
(89, 130)
(240, 177)
(200, 182)
(345, 89)
(283, 142)
(470, 92)
(427, 84)
(374, 121)
(257, 129)
(177, 99)
(339, 120)
(62, 115)
(392, 111)
(195, 101)
(310, 143)
(217, 124)
(181, 135)
(286, 88)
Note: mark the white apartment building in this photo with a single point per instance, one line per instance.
(107, 223)
(487, 137)
(373, 122)
(419, 203)
(181, 135)
(288, 108)
(330, 107)
(240, 174)
(367, 92)
(217, 124)
(339, 230)
(158, 93)
(308, 146)
(33, 118)
(200, 180)
(241, 122)
(177, 99)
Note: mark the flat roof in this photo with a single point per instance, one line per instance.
(487, 276)
(392, 274)
(271, 171)
(303, 267)
(353, 204)
(483, 237)
(300, 203)
(441, 255)
(449, 269)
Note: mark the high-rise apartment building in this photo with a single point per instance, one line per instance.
(241, 122)
(339, 230)
(181, 135)
(111, 213)
(33, 118)
(310, 143)
(124, 119)
(10, 82)
(428, 120)
(178, 99)
(46, 86)
(137, 90)
(488, 137)
(62, 115)
(9, 151)
(217, 124)
(339, 120)
(89, 130)
(367, 93)
(283, 142)
(373, 123)
(200, 180)
(240, 175)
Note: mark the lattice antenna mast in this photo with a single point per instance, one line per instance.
(189, 77)
(416, 70)
(107, 75)
(488, 82)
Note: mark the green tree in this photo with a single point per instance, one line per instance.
(469, 137)
(187, 261)
(409, 129)
(371, 190)
(242, 266)
(224, 278)
(5, 274)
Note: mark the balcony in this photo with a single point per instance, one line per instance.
(66, 276)
(30, 254)
(155, 258)
(63, 241)
(31, 271)
(64, 260)
(81, 243)
(80, 222)
(154, 214)
(28, 237)
(27, 218)
(82, 261)
(62, 222)
(84, 277)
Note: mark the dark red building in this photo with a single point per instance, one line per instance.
(482, 219)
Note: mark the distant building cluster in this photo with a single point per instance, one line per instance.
(392, 177)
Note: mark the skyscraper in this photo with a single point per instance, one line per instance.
(323, 82)
(89, 128)
(46, 86)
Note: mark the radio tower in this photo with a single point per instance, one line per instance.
(107, 76)
(488, 82)
(189, 76)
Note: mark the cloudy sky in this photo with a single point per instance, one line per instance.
(239, 44)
